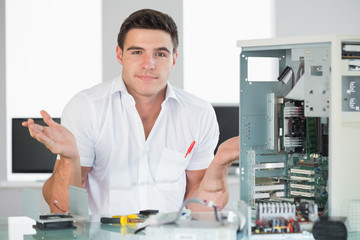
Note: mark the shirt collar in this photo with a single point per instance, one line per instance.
(170, 92)
(119, 86)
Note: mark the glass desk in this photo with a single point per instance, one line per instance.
(21, 228)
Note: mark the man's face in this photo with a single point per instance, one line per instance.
(147, 61)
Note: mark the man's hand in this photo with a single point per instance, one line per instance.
(55, 136)
(211, 185)
(228, 152)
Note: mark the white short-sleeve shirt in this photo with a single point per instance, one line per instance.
(130, 173)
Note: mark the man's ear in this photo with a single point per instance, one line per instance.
(175, 55)
(119, 54)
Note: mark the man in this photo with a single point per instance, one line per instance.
(137, 142)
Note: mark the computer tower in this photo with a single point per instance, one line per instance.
(300, 129)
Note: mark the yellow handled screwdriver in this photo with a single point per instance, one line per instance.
(123, 220)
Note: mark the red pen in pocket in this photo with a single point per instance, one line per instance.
(190, 148)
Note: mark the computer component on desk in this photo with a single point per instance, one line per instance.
(201, 226)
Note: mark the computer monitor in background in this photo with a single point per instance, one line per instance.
(30, 159)
(228, 119)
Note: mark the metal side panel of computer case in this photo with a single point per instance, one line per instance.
(300, 129)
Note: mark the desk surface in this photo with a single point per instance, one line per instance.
(16, 228)
(21, 228)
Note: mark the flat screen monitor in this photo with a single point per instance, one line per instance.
(228, 120)
(28, 156)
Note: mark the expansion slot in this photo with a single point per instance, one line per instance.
(302, 171)
(303, 194)
(262, 188)
(301, 186)
(297, 178)
(308, 164)
(269, 165)
(267, 195)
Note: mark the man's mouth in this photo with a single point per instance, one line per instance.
(146, 77)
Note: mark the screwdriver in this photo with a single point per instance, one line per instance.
(123, 220)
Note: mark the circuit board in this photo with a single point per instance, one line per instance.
(307, 175)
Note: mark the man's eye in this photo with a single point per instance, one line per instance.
(136, 52)
(160, 54)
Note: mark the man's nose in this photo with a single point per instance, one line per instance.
(148, 62)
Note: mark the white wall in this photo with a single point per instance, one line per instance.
(2, 94)
(308, 17)
(6, 196)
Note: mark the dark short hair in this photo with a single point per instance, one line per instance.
(149, 19)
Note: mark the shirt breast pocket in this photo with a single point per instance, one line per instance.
(172, 166)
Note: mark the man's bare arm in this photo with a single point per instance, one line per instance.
(211, 184)
(56, 188)
(67, 170)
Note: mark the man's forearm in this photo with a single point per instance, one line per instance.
(213, 187)
(56, 188)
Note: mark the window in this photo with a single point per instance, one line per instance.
(53, 50)
(211, 58)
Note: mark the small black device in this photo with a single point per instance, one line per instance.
(148, 212)
(55, 222)
(330, 228)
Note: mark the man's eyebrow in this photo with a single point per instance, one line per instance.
(163, 49)
(134, 48)
(156, 49)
